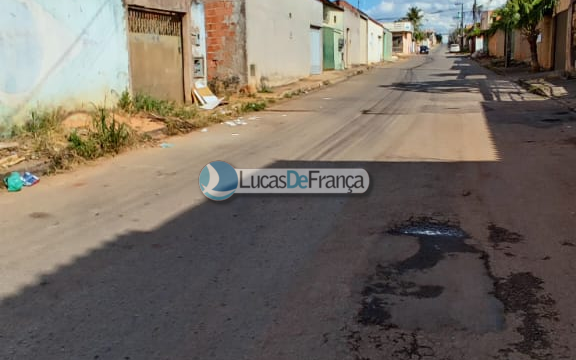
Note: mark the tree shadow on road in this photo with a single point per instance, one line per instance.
(222, 280)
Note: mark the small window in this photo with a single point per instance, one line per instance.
(335, 20)
(198, 67)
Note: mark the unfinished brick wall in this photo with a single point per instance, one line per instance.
(226, 40)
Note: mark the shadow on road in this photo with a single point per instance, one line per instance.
(232, 280)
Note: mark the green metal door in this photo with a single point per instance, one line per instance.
(329, 63)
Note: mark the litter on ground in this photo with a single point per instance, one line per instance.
(230, 123)
(166, 146)
(204, 96)
(30, 179)
(204, 130)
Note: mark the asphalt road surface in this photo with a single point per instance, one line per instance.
(463, 248)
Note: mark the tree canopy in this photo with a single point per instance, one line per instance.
(524, 15)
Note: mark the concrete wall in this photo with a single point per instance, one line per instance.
(521, 48)
(352, 49)
(161, 77)
(563, 5)
(334, 19)
(375, 42)
(226, 40)
(363, 41)
(404, 30)
(198, 39)
(496, 44)
(60, 53)
(387, 53)
(278, 39)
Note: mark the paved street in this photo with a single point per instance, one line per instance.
(463, 248)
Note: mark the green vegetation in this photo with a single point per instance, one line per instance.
(142, 103)
(524, 15)
(253, 106)
(43, 130)
(415, 15)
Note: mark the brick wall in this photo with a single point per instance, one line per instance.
(226, 40)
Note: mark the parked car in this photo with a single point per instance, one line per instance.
(424, 49)
(454, 48)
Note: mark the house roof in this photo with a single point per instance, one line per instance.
(371, 19)
(331, 4)
(346, 5)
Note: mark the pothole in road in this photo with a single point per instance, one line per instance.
(414, 293)
(445, 286)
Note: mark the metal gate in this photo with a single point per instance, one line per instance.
(315, 51)
(560, 47)
(328, 44)
(156, 65)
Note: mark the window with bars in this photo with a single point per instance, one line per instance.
(156, 23)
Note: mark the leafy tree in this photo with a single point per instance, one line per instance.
(415, 16)
(525, 15)
(419, 36)
(439, 38)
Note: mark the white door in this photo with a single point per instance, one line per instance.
(315, 52)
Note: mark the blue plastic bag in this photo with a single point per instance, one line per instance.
(29, 179)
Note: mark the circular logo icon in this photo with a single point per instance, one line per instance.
(218, 181)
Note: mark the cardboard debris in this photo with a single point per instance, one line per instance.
(205, 98)
(10, 145)
(11, 161)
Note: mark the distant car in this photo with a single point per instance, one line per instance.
(424, 49)
(454, 48)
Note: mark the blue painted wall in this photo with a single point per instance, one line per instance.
(67, 53)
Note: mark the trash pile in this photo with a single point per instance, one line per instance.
(16, 181)
(238, 122)
(204, 97)
(8, 154)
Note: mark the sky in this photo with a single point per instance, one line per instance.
(438, 14)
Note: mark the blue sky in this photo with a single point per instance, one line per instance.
(438, 14)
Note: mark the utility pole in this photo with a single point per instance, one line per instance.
(462, 27)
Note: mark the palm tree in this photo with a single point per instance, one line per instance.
(415, 16)
(525, 15)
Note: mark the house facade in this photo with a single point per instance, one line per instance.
(78, 53)
(402, 36)
(387, 45)
(375, 41)
(263, 43)
(499, 42)
(353, 54)
(333, 36)
(564, 25)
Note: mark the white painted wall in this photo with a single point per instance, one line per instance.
(352, 53)
(53, 53)
(375, 42)
(198, 29)
(363, 41)
(278, 39)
